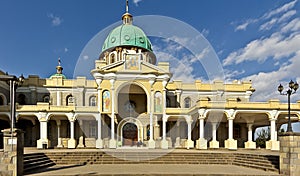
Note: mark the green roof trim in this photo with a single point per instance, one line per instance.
(58, 75)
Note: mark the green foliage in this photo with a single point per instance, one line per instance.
(263, 136)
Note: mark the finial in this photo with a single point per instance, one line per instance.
(127, 17)
(59, 61)
(126, 6)
(59, 67)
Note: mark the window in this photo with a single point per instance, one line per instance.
(93, 101)
(187, 102)
(70, 100)
(46, 99)
(21, 99)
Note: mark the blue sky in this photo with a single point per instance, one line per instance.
(254, 40)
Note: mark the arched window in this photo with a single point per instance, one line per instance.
(46, 99)
(106, 101)
(93, 101)
(21, 99)
(70, 100)
(187, 102)
(158, 102)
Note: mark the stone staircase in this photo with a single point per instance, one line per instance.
(263, 162)
(35, 161)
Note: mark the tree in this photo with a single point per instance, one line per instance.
(263, 136)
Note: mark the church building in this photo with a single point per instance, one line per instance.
(132, 101)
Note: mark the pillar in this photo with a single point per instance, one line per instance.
(214, 143)
(201, 143)
(230, 143)
(164, 142)
(273, 144)
(189, 142)
(43, 142)
(289, 154)
(151, 142)
(250, 144)
(112, 141)
(99, 141)
(59, 140)
(72, 141)
(178, 96)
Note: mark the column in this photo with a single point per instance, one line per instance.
(71, 142)
(151, 142)
(214, 143)
(112, 141)
(273, 144)
(99, 141)
(201, 143)
(58, 99)
(43, 142)
(178, 98)
(81, 137)
(230, 143)
(189, 142)
(250, 144)
(164, 142)
(59, 140)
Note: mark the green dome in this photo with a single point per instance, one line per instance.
(127, 35)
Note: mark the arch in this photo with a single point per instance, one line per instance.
(3, 100)
(132, 100)
(93, 100)
(136, 83)
(133, 121)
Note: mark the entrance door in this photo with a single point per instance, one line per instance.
(130, 134)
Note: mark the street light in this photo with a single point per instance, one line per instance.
(293, 86)
(13, 82)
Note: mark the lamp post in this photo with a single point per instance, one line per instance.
(293, 86)
(13, 82)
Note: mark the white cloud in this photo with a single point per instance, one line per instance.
(286, 9)
(279, 10)
(266, 83)
(276, 46)
(292, 26)
(243, 26)
(136, 2)
(66, 50)
(269, 24)
(55, 20)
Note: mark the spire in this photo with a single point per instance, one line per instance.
(127, 17)
(59, 67)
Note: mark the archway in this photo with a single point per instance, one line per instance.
(132, 101)
(130, 134)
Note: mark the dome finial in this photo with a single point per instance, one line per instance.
(127, 17)
(127, 6)
(59, 67)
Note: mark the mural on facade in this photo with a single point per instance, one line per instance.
(132, 62)
(106, 101)
(158, 102)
